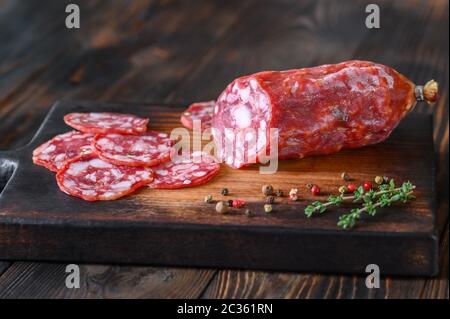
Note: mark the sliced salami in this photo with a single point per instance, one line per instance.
(201, 111)
(55, 152)
(187, 171)
(148, 149)
(93, 179)
(104, 123)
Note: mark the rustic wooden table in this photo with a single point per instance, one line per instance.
(184, 51)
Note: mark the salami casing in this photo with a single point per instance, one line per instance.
(55, 152)
(185, 171)
(317, 110)
(200, 111)
(103, 123)
(148, 149)
(93, 179)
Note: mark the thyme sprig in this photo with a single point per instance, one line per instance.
(383, 196)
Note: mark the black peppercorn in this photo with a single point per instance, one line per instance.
(224, 191)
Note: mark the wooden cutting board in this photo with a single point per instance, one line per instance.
(176, 227)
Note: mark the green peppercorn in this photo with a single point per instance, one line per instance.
(379, 180)
(222, 207)
(224, 191)
(343, 189)
(309, 185)
(248, 213)
(270, 199)
(267, 189)
(267, 208)
(208, 199)
(279, 193)
(345, 176)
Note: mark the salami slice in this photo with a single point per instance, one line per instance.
(185, 171)
(104, 123)
(147, 149)
(92, 179)
(55, 152)
(201, 111)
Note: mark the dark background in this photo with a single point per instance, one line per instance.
(185, 51)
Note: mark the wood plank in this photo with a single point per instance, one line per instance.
(42, 281)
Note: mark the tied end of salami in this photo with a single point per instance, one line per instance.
(428, 92)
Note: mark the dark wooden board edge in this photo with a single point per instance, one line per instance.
(190, 245)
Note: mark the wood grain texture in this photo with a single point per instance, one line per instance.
(42, 280)
(250, 284)
(41, 61)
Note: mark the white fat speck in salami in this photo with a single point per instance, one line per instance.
(103, 123)
(55, 152)
(92, 179)
(200, 111)
(183, 172)
(148, 149)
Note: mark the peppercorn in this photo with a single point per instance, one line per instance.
(386, 179)
(315, 190)
(267, 189)
(279, 193)
(309, 185)
(343, 189)
(248, 213)
(270, 199)
(230, 202)
(237, 203)
(379, 180)
(224, 191)
(293, 194)
(345, 176)
(222, 207)
(351, 188)
(267, 208)
(208, 199)
(367, 186)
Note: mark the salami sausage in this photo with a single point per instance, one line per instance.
(317, 110)
(147, 149)
(185, 171)
(93, 179)
(103, 123)
(200, 111)
(55, 152)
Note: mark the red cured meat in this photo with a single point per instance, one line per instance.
(201, 111)
(316, 110)
(55, 152)
(93, 179)
(185, 172)
(103, 123)
(147, 149)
